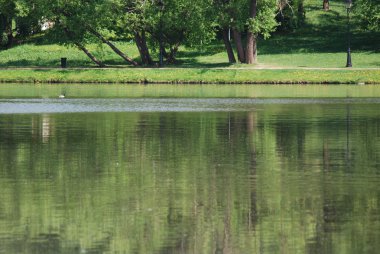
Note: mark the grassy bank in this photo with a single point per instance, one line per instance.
(72, 91)
(192, 76)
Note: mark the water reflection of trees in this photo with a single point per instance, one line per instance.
(179, 183)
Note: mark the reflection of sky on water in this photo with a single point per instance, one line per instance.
(24, 106)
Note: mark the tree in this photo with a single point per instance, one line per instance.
(72, 26)
(326, 5)
(251, 50)
(66, 17)
(223, 19)
(178, 22)
(131, 22)
(258, 19)
(183, 22)
(368, 12)
(7, 14)
(291, 14)
(17, 19)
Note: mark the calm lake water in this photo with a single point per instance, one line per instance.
(189, 176)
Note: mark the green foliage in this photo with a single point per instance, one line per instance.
(18, 18)
(193, 24)
(235, 13)
(70, 19)
(264, 23)
(291, 14)
(368, 12)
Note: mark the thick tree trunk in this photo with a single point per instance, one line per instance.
(143, 48)
(170, 58)
(301, 13)
(239, 45)
(326, 5)
(9, 32)
(165, 53)
(227, 44)
(113, 47)
(251, 51)
(91, 56)
(9, 40)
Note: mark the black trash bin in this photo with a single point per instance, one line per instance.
(63, 62)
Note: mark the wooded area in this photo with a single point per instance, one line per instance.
(162, 25)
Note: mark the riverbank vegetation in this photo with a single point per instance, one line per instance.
(111, 91)
(195, 39)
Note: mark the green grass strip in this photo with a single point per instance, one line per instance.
(186, 91)
(193, 76)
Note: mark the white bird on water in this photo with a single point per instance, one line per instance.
(61, 96)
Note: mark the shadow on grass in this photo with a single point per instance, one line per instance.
(327, 34)
(57, 63)
(194, 63)
(44, 63)
(208, 50)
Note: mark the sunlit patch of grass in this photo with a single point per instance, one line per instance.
(191, 75)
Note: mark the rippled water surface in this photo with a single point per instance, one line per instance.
(189, 176)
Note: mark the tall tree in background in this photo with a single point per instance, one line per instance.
(290, 15)
(326, 5)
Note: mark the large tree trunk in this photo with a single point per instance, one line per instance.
(326, 5)
(113, 47)
(10, 40)
(251, 52)
(173, 53)
(251, 49)
(91, 56)
(227, 44)
(143, 48)
(239, 45)
(170, 57)
(9, 32)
